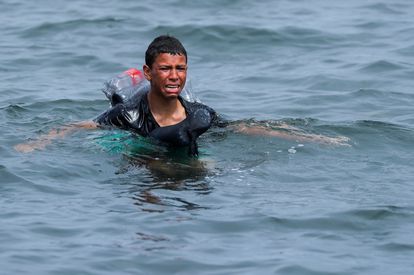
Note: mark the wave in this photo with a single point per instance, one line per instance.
(47, 114)
(386, 9)
(380, 66)
(9, 177)
(50, 28)
(406, 51)
(352, 220)
(51, 105)
(236, 35)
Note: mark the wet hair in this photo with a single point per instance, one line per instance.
(163, 44)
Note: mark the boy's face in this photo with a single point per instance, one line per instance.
(167, 74)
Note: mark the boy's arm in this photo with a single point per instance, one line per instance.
(46, 139)
(116, 116)
(291, 133)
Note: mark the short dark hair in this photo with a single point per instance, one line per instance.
(164, 44)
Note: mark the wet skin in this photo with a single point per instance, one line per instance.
(167, 76)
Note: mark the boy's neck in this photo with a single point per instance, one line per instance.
(166, 111)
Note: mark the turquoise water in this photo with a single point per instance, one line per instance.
(101, 202)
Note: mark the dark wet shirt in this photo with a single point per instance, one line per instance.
(135, 115)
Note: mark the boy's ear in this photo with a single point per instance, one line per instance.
(147, 72)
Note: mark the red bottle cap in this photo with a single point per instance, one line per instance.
(135, 74)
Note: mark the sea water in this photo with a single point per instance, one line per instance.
(104, 202)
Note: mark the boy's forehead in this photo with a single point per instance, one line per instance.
(170, 58)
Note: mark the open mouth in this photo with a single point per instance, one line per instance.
(174, 89)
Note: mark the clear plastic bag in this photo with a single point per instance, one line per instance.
(125, 85)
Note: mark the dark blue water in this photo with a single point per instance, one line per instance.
(101, 202)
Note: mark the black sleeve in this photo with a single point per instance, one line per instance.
(218, 120)
(116, 116)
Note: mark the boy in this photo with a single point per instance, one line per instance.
(162, 114)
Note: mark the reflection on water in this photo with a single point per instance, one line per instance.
(155, 173)
(171, 171)
(175, 174)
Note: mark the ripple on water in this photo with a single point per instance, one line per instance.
(380, 213)
(300, 270)
(382, 66)
(235, 35)
(407, 51)
(358, 220)
(8, 177)
(384, 8)
(53, 28)
(397, 247)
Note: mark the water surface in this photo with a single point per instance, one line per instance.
(101, 202)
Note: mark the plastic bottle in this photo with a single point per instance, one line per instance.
(187, 92)
(127, 79)
(123, 86)
(132, 81)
